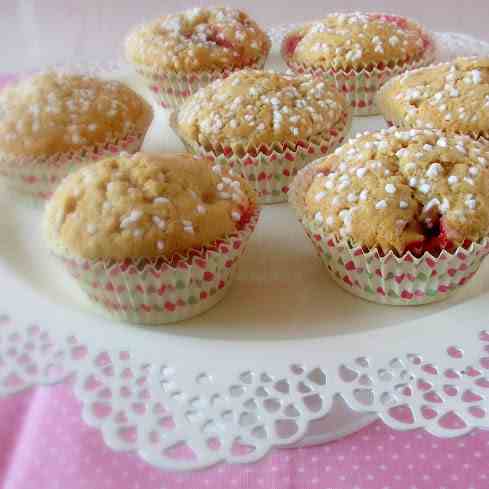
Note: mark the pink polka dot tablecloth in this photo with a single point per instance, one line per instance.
(44, 444)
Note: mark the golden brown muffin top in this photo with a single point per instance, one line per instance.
(356, 41)
(392, 189)
(56, 113)
(252, 107)
(145, 206)
(453, 97)
(200, 39)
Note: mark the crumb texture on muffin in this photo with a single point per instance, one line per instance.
(357, 40)
(415, 190)
(253, 108)
(200, 39)
(56, 113)
(453, 97)
(145, 206)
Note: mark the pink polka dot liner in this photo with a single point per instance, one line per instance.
(170, 90)
(271, 170)
(388, 279)
(159, 291)
(38, 178)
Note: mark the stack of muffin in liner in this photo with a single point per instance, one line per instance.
(154, 239)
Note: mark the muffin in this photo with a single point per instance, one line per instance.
(180, 53)
(359, 52)
(53, 123)
(399, 217)
(151, 238)
(452, 97)
(264, 125)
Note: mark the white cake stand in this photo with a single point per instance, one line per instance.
(286, 359)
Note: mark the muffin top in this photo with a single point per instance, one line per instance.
(453, 97)
(356, 41)
(251, 107)
(200, 39)
(145, 206)
(414, 190)
(56, 113)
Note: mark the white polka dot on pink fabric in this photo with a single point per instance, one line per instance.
(59, 451)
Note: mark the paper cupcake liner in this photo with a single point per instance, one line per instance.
(38, 178)
(388, 279)
(360, 86)
(271, 169)
(156, 291)
(171, 89)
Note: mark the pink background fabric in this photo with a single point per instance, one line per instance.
(44, 444)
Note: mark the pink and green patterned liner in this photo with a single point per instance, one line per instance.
(170, 89)
(271, 169)
(388, 279)
(394, 280)
(160, 291)
(361, 86)
(38, 178)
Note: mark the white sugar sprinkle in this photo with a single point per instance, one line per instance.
(431, 204)
(364, 195)
(453, 180)
(329, 185)
(390, 188)
(131, 218)
(403, 204)
(424, 188)
(470, 202)
(160, 245)
(382, 204)
(393, 40)
(236, 216)
(160, 200)
(360, 172)
(442, 142)
(343, 185)
(434, 170)
(445, 206)
(318, 217)
(319, 196)
(410, 167)
(161, 223)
